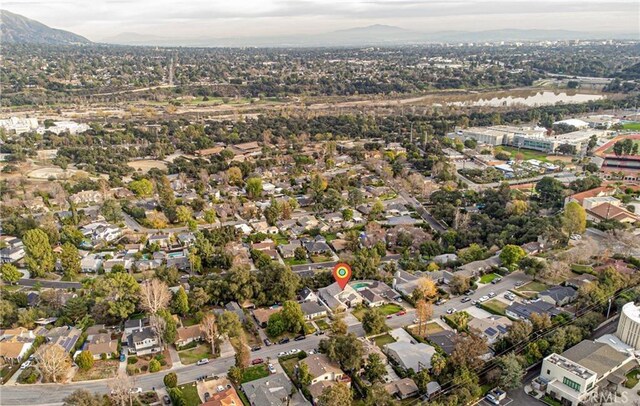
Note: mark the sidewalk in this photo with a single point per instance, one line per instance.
(175, 358)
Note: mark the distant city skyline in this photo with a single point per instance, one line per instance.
(101, 19)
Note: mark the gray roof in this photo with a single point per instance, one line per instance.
(598, 357)
(524, 311)
(270, 391)
(444, 339)
(560, 293)
(310, 308)
(412, 356)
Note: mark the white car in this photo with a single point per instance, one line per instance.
(26, 365)
(294, 351)
(492, 294)
(220, 388)
(282, 354)
(203, 361)
(483, 299)
(272, 369)
(451, 310)
(135, 390)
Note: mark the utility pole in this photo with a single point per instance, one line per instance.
(609, 308)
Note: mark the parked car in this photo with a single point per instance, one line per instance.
(441, 301)
(509, 295)
(282, 354)
(220, 388)
(399, 300)
(203, 361)
(483, 299)
(294, 351)
(284, 340)
(494, 396)
(207, 395)
(401, 313)
(267, 342)
(496, 280)
(492, 294)
(256, 348)
(257, 361)
(474, 302)
(135, 390)
(469, 292)
(25, 365)
(389, 316)
(465, 299)
(319, 332)
(300, 338)
(272, 369)
(451, 310)
(519, 283)
(166, 400)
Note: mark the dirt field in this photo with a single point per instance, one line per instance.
(52, 171)
(145, 165)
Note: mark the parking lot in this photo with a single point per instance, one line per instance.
(503, 402)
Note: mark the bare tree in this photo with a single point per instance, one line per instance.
(120, 388)
(53, 362)
(424, 311)
(154, 295)
(209, 328)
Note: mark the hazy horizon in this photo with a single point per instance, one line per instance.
(246, 18)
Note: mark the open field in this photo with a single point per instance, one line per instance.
(255, 372)
(190, 394)
(631, 126)
(146, 164)
(100, 370)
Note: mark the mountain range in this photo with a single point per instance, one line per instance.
(17, 29)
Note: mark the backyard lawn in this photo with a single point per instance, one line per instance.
(100, 370)
(531, 289)
(488, 278)
(255, 372)
(322, 323)
(384, 339)
(190, 394)
(293, 261)
(321, 258)
(495, 306)
(632, 378)
(192, 355)
(385, 309)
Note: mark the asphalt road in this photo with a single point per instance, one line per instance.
(41, 394)
(49, 284)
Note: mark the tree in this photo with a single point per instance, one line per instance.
(242, 355)
(181, 302)
(468, 350)
(511, 255)
(234, 175)
(177, 397)
(183, 214)
(338, 327)
(426, 289)
(347, 350)
(374, 369)
(120, 389)
(154, 365)
(574, 218)
(85, 360)
(304, 377)
(210, 216)
(38, 253)
(235, 374)
(520, 331)
(82, 397)
(111, 210)
(70, 260)
(141, 188)
(438, 364)
(10, 273)
(292, 316)
(540, 322)
(75, 309)
(376, 209)
(511, 371)
(532, 267)
(170, 380)
(424, 312)
(154, 295)
(229, 325)
(377, 395)
(209, 328)
(253, 188)
(336, 395)
(300, 254)
(459, 284)
(166, 325)
(373, 321)
(550, 192)
(117, 293)
(53, 362)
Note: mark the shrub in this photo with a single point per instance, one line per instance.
(103, 356)
(144, 368)
(85, 360)
(132, 360)
(154, 365)
(171, 380)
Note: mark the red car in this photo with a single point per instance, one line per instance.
(257, 361)
(401, 313)
(389, 316)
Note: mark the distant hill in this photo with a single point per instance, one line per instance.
(372, 35)
(17, 29)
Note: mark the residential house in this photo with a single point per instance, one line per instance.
(559, 295)
(228, 397)
(324, 373)
(289, 250)
(187, 335)
(317, 246)
(307, 295)
(65, 336)
(338, 299)
(580, 280)
(570, 377)
(371, 298)
(86, 197)
(15, 343)
(13, 250)
(144, 341)
(162, 240)
(99, 344)
(91, 263)
(402, 389)
(234, 307)
(492, 327)
(273, 390)
(410, 356)
(523, 311)
(262, 315)
(313, 310)
(445, 339)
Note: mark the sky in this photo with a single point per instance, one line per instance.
(100, 19)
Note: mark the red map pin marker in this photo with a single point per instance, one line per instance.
(342, 274)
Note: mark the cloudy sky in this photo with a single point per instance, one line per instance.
(98, 19)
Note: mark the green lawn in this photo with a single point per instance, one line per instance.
(190, 394)
(551, 401)
(309, 328)
(293, 261)
(533, 286)
(579, 268)
(320, 258)
(384, 339)
(632, 126)
(322, 323)
(632, 378)
(488, 278)
(191, 356)
(330, 236)
(526, 153)
(385, 309)
(495, 306)
(255, 372)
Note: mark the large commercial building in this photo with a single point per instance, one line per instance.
(629, 325)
